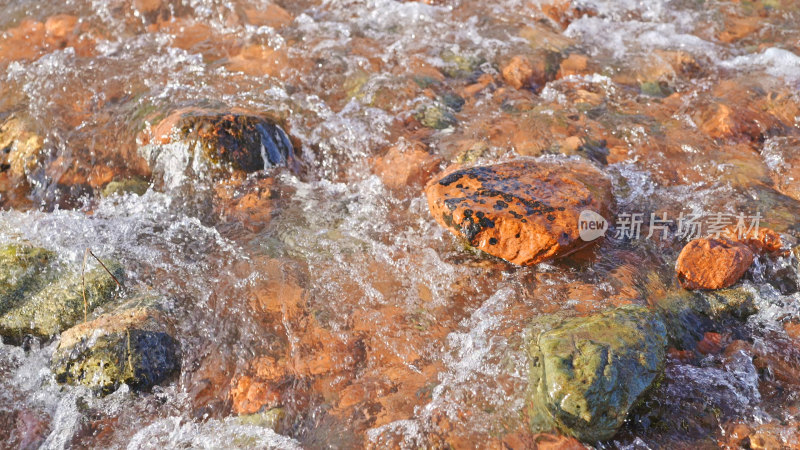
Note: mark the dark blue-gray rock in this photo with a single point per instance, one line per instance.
(587, 372)
(134, 344)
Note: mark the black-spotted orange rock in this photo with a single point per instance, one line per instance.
(523, 211)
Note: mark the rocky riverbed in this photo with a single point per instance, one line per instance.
(380, 223)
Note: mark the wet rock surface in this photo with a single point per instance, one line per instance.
(203, 141)
(713, 263)
(587, 372)
(134, 344)
(523, 211)
(318, 304)
(42, 299)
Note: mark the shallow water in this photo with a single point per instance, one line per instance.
(372, 324)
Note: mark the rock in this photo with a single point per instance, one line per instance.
(712, 263)
(133, 345)
(22, 269)
(574, 64)
(20, 147)
(210, 142)
(270, 418)
(711, 343)
(688, 315)
(587, 372)
(31, 39)
(406, 164)
(251, 395)
(437, 116)
(518, 72)
(60, 304)
(524, 211)
(135, 185)
(764, 240)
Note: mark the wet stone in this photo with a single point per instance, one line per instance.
(713, 263)
(587, 372)
(524, 211)
(134, 345)
(216, 142)
(136, 186)
(51, 299)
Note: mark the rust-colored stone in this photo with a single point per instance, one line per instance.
(712, 263)
(518, 72)
(523, 211)
(711, 343)
(406, 164)
(574, 65)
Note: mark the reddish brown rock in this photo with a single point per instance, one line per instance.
(518, 72)
(31, 39)
(711, 343)
(523, 211)
(406, 164)
(574, 65)
(713, 263)
(763, 240)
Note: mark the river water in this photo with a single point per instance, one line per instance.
(367, 322)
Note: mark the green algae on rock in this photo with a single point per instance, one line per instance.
(688, 315)
(587, 372)
(133, 185)
(22, 269)
(133, 344)
(60, 304)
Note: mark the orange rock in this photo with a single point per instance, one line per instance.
(259, 60)
(483, 82)
(522, 211)
(739, 27)
(250, 396)
(549, 441)
(31, 39)
(270, 15)
(712, 263)
(518, 72)
(574, 65)
(793, 330)
(147, 6)
(252, 207)
(711, 343)
(406, 164)
(765, 436)
(766, 240)
(683, 356)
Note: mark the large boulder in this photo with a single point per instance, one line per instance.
(587, 372)
(524, 211)
(206, 142)
(37, 298)
(133, 345)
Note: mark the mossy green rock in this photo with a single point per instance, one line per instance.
(437, 116)
(135, 185)
(133, 345)
(270, 418)
(587, 372)
(689, 314)
(60, 304)
(22, 270)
